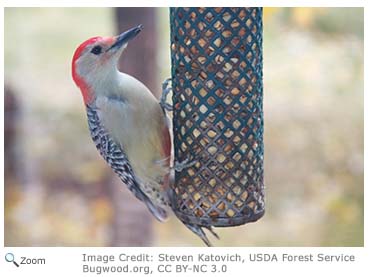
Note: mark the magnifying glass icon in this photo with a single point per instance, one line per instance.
(9, 257)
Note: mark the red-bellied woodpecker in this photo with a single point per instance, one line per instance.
(126, 122)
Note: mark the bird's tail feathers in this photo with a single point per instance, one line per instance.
(200, 232)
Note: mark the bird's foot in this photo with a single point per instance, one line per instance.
(179, 166)
(166, 89)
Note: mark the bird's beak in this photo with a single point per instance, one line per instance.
(125, 37)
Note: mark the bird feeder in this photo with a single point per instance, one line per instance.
(216, 56)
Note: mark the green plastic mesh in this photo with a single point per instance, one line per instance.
(217, 85)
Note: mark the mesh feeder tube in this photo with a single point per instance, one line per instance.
(216, 56)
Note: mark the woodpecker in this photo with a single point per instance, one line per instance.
(127, 123)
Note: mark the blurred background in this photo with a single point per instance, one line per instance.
(59, 192)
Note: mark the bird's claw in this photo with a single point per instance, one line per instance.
(165, 84)
(164, 95)
(179, 166)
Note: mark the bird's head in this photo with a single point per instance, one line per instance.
(96, 58)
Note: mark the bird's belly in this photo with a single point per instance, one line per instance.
(148, 167)
(139, 139)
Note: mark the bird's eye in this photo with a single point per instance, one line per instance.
(96, 50)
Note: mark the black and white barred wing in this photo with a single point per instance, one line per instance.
(115, 156)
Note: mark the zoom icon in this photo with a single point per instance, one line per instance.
(9, 257)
